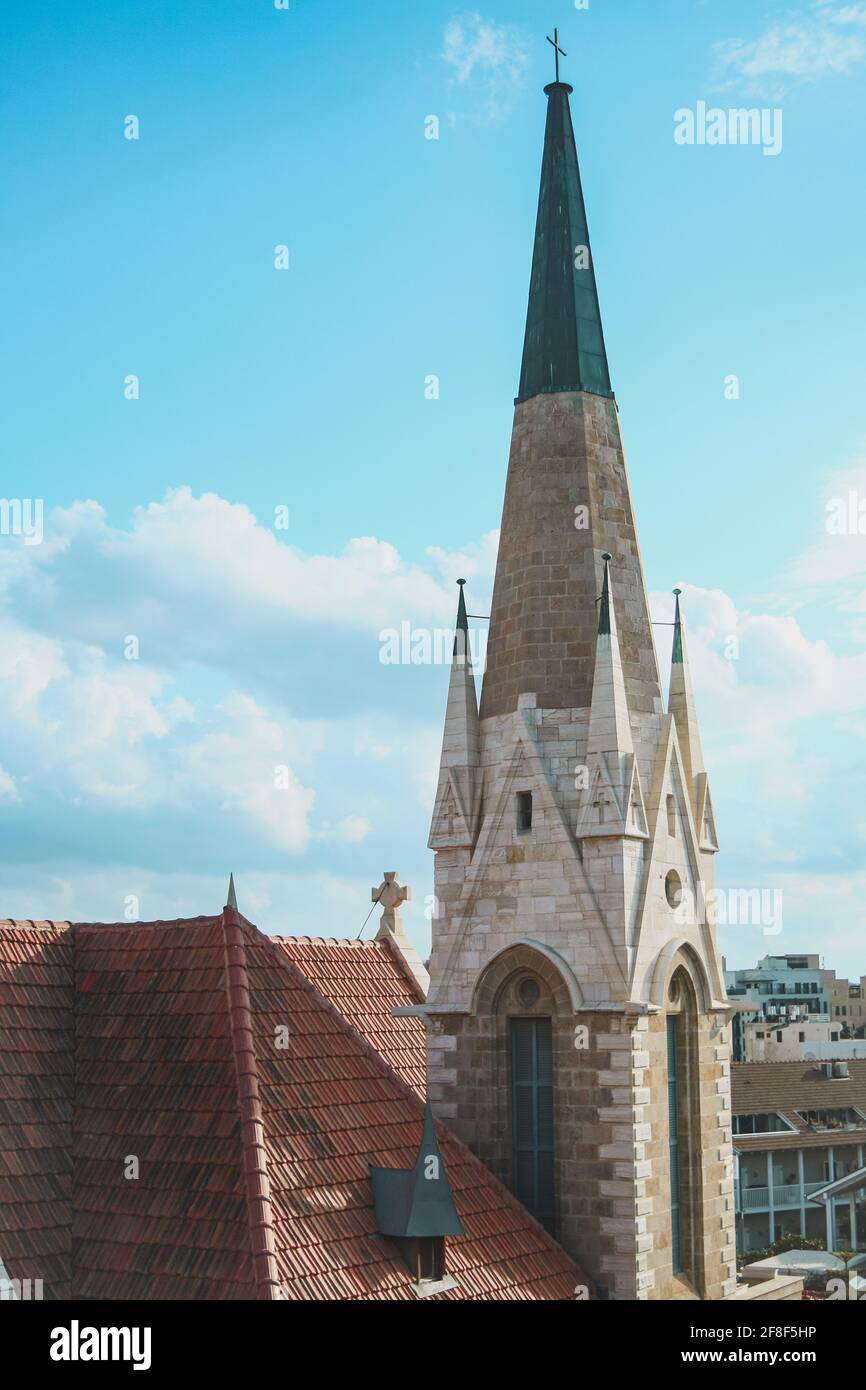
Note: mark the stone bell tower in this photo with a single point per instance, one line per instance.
(577, 1009)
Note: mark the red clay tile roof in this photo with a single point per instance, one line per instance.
(155, 1080)
(36, 1092)
(366, 981)
(253, 1156)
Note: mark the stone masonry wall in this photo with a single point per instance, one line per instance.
(566, 452)
(611, 1135)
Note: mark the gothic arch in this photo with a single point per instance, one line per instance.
(542, 961)
(675, 956)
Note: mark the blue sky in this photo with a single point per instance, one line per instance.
(305, 389)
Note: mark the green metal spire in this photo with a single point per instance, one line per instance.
(564, 346)
(416, 1201)
(677, 654)
(604, 606)
(462, 617)
(462, 623)
(232, 900)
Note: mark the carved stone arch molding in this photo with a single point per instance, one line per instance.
(534, 958)
(679, 955)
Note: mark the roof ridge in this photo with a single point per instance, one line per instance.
(393, 949)
(800, 1062)
(323, 940)
(34, 924)
(211, 919)
(260, 1214)
(48, 925)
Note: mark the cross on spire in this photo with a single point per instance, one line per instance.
(556, 49)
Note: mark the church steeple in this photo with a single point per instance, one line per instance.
(566, 844)
(564, 345)
(567, 497)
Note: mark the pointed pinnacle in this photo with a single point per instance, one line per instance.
(677, 654)
(462, 624)
(462, 618)
(604, 606)
(232, 900)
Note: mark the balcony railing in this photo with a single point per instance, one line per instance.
(758, 1198)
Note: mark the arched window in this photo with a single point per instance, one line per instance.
(684, 1142)
(524, 1002)
(532, 1146)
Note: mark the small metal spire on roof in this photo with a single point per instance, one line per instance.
(232, 900)
(417, 1201)
(677, 655)
(604, 607)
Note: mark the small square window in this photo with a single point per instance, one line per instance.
(524, 811)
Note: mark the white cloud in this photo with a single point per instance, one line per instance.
(354, 829)
(234, 626)
(28, 665)
(206, 543)
(176, 753)
(824, 40)
(199, 580)
(8, 790)
(90, 733)
(488, 56)
(760, 671)
(476, 563)
(839, 553)
(244, 763)
(783, 724)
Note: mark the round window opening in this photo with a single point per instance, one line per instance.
(528, 993)
(674, 888)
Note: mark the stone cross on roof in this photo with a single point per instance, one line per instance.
(391, 895)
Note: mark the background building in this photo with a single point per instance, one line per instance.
(801, 1039)
(797, 1127)
(789, 990)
